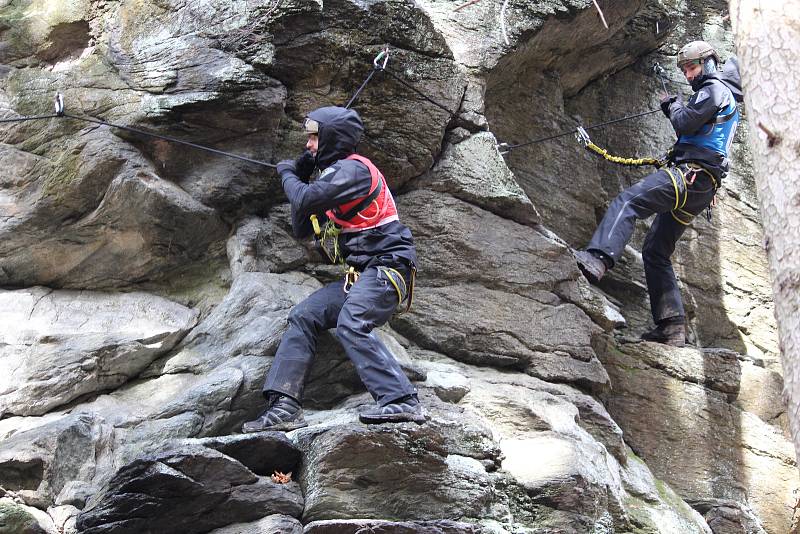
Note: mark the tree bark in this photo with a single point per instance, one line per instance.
(767, 37)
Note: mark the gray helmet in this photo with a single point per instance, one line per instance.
(696, 51)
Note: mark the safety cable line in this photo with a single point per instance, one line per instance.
(571, 132)
(171, 139)
(140, 132)
(31, 118)
(385, 69)
(363, 85)
(378, 67)
(420, 93)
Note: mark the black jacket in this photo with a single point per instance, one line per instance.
(710, 97)
(342, 181)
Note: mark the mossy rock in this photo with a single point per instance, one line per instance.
(16, 520)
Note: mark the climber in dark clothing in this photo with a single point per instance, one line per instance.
(677, 192)
(353, 197)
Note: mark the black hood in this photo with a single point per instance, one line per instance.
(340, 131)
(728, 75)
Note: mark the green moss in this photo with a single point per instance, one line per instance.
(14, 25)
(632, 456)
(640, 520)
(15, 520)
(64, 173)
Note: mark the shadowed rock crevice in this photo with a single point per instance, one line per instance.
(23, 475)
(67, 40)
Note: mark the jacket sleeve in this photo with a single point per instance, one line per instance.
(689, 118)
(340, 183)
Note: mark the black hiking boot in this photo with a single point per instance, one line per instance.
(592, 266)
(668, 332)
(283, 414)
(402, 410)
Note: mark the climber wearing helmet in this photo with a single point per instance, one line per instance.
(678, 191)
(352, 194)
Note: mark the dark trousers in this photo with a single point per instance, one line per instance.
(675, 202)
(369, 304)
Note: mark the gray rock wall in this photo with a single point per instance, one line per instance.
(144, 285)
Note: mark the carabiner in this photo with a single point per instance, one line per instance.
(59, 104)
(581, 136)
(385, 55)
(503, 148)
(662, 75)
(350, 278)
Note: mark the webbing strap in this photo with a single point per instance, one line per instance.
(725, 118)
(688, 215)
(675, 185)
(400, 292)
(366, 201)
(696, 168)
(405, 292)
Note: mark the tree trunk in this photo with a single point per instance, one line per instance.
(767, 37)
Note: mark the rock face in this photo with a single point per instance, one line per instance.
(191, 489)
(60, 345)
(145, 285)
(740, 457)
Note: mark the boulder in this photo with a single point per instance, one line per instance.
(354, 526)
(262, 245)
(272, 524)
(473, 170)
(459, 242)
(663, 396)
(16, 518)
(189, 489)
(473, 324)
(40, 463)
(75, 343)
(404, 471)
(101, 225)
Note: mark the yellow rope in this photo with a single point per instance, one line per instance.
(405, 292)
(637, 162)
(675, 185)
(685, 223)
(331, 232)
(584, 138)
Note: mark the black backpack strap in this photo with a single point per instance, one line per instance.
(352, 212)
(725, 118)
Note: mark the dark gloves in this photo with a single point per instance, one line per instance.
(666, 102)
(301, 167)
(305, 165)
(285, 167)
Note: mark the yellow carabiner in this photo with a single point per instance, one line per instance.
(315, 225)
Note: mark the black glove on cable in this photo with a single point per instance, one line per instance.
(305, 165)
(666, 102)
(286, 166)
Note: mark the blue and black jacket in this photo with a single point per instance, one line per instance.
(706, 124)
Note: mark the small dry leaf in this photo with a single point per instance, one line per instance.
(281, 478)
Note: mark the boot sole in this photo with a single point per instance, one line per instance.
(666, 342)
(392, 418)
(588, 273)
(280, 427)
